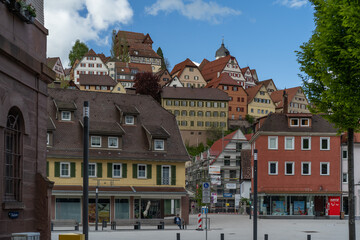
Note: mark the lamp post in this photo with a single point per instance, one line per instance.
(96, 207)
(86, 114)
(255, 196)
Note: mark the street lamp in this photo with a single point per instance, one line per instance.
(255, 195)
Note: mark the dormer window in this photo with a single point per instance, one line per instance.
(158, 144)
(65, 115)
(113, 142)
(129, 120)
(304, 122)
(95, 141)
(294, 122)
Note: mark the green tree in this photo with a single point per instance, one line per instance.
(77, 52)
(123, 48)
(161, 54)
(114, 50)
(331, 63)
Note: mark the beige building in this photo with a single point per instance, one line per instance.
(196, 111)
(297, 101)
(259, 101)
(188, 74)
(98, 83)
(269, 85)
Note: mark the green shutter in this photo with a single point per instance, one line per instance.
(99, 170)
(72, 169)
(124, 170)
(134, 170)
(57, 169)
(173, 175)
(47, 168)
(149, 171)
(109, 170)
(158, 174)
(82, 169)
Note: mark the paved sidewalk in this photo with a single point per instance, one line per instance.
(234, 227)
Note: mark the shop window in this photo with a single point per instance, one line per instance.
(306, 143)
(68, 208)
(273, 142)
(306, 168)
(122, 209)
(273, 168)
(324, 168)
(324, 143)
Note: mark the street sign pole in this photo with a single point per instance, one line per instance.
(86, 116)
(255, 194)
(206, 199)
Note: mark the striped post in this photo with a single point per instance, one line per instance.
(199, 225)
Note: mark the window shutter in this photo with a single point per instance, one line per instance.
(124, 170)
(134, 170)
(57, 169)
(99, 170)
(109, 170)
(149, 171)
(72, 169)
(47, 168)
(158, 174)
(82, 169)
(173, 175)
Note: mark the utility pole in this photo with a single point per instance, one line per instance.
(255, 196)
(86, 114)
(96, 207)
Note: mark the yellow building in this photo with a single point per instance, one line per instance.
(136, 163)
(188, 74)
(259, 101)
(297, 101)
(196, 110)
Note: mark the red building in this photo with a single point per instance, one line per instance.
(298, 165)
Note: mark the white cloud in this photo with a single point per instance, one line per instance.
(195, 9)
(292, 3)
(66, 24)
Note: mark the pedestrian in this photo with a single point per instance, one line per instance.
(177, 220)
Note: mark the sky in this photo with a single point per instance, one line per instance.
(261, 34)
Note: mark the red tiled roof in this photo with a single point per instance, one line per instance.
(179, 68)
(210, 70)
(356, 138)
(141, 67)
(277, 96)
(252, 91)
(203, 63)
(243, 70)
(220, 144)
(265, 82)
(223, 79)
(90, 53)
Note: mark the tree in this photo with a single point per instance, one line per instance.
(114, 50)
(77, 52)
(148, 84)
(160, 53)
(331, 63)
(122, 48)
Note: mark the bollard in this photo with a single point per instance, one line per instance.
(266, 237)
(177, 236)
(222, 237)
(309, 237)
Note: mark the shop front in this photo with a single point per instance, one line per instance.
(299, 205)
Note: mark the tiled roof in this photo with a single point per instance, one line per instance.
(243, 70)
(278, 122)
(252, 91)
(265, 82)
(218, 146)
(156, 131)
(64, 104)
(90, 53)
(50, 126)
(210, 70)
(194, 93)
(179, 68)
(203, 63)
(50, 62)
(277, 96)
(96, 80)
(344, 138)
(140, 67)
(223, 79)
(105, 128)
(103, 111)
(127, 109)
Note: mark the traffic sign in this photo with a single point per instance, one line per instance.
(206, 192)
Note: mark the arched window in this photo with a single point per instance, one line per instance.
(13, 156)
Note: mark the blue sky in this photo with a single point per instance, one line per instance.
(262, 34)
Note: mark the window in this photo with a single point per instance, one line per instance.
(289, 143)
(165, 175)
(222, 105)
(129, 120)
(238, 160)
(192, 103)
(168, 103)
(208, 114)
(186, 76)
(215, 114)
(65, 115)
(191, 113)
(176, 112)
(47, 139)
(344, 177)
(226, 160)
(64, 169)
(200, 104)
(306, 143)
(191, 69)
(99, 65)
(183, 103)
(183, 113)
(200, 113)
(208, 104)
(95, 141)
(116, 170)
(91, 65)
(13, 157)
(324, 143)
(273, 168)
(222, 114)
(304, 122)
(141, 171)
(324, 168)
(235, 88)
(103, 87)
(176, 103)
(87, 87)
(200, 124)
(289, 168)
(196, 78)
(82, 65)
(294, 122)
(344, 154)
(158, 144)
(306, 168)
(112, 142)
(92, 170)
(183, 123)
(97, 87)
(272, 142)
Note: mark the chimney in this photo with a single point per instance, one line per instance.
(285, 102)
